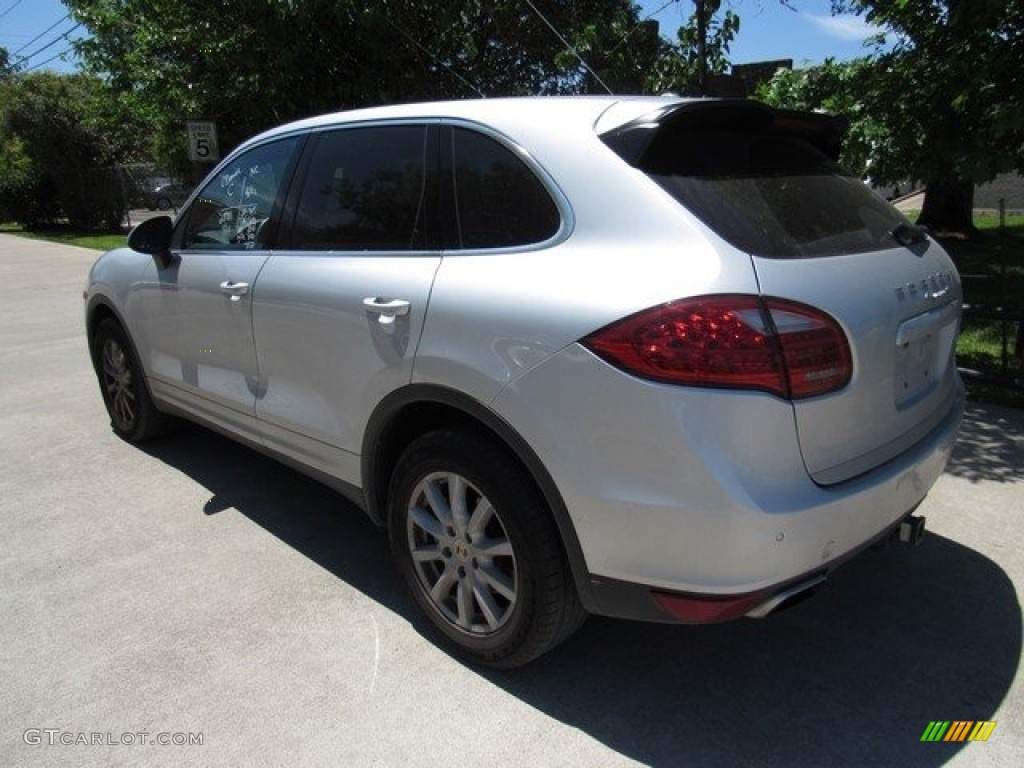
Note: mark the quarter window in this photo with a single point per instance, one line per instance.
(365, 190)
(233, 209)
(499, 202)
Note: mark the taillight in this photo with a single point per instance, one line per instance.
(815, 350)
(737, 341)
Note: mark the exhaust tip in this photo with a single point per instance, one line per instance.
(790, 596)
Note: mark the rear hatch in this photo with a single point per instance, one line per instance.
(765, 181)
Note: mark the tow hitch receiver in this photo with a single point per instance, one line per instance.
(911, 530)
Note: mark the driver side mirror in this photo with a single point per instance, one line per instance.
(152, 236)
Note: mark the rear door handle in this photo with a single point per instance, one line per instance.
(386, 309)
(234, 290)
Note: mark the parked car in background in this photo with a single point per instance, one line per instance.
(167, 196)
(653, 358)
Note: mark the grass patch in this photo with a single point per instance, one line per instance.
(96, 241)
(988, 222)
(981, 346)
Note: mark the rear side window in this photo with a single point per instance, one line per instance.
(499, 202)
(365, 190)
(770, 193)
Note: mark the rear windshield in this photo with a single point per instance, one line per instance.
(770, 194)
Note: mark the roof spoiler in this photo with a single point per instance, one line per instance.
(824, 131)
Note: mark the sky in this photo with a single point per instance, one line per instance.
(35, 32)
(23, 20)
(769, 30)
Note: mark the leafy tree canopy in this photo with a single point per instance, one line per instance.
(52, 152)
(941, 102)
(960, 60)
(251, 64)
(678, 67)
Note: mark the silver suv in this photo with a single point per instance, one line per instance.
(651, 358)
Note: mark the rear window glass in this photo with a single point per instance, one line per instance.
(770, 194)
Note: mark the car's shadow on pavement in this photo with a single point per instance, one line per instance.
(898, 638)
(851, 677)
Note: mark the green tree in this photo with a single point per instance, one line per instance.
(251, 64)
(678, 69)
(942, 104)
(53, 154)
(850, 89)
(619, 52)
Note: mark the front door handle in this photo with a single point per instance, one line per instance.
(386, 309)
(234, 290)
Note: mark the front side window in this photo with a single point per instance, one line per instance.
(499, 201)
(233, 209)
(365, 191)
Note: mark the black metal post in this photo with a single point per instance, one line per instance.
(702, 48)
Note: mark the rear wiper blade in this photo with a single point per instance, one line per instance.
(908, 234)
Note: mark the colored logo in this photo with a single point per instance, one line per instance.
(958, 730)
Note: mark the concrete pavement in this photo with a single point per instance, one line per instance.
(198, 591)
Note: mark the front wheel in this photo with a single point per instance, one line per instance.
(133, 415)
(479, 549)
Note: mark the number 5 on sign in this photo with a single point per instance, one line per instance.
(202, 142)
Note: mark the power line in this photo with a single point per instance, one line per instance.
(648, 17)
(566, 44)
(14, 5)
(50, 44)
(52, 58)
(435, 59)
(652, 14)
(41, 34)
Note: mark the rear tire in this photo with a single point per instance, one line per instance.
(133, 416)
(479, 549)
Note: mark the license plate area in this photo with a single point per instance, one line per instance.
(915, 368)
(924, 346)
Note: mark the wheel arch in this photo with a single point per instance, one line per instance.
(417, 409)
(98, 310)
(101, 308)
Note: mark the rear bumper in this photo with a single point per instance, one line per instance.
(699, 492)
(627, 600)
(647, 602)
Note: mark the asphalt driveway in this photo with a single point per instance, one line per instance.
(196, 591)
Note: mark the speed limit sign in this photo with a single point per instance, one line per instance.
(202, 141)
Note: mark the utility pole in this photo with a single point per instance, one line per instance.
(702, 48)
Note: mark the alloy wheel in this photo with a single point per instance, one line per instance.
(461, 553)
(118, 384)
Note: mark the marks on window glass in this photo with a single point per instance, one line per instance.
(231, 211)
(227, 181)
(246, 207)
